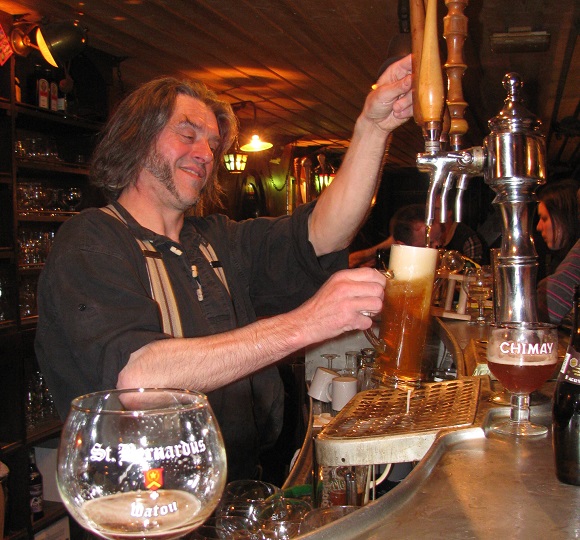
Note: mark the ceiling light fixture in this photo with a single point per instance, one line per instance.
(255, 144)
(57, 42)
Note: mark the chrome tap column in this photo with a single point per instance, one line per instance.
(515, 167)
(511, 160)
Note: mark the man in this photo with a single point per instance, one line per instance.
(458, 236)
(407, 226)
(271, 289)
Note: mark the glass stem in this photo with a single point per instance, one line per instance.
(520, 408)
(480, 307)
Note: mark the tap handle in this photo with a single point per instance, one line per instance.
(431, 91)
(455, 32)
(417, 11)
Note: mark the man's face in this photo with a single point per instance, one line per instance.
(419, 235)
(182, 159)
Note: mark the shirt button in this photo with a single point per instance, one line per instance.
(82, 307)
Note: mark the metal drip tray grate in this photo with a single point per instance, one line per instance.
(375, 427)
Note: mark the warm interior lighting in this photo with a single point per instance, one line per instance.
(256, 145)
(324, 174)
(236, 161)
(57, 42)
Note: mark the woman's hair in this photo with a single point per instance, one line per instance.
(132, 132)
(561, 201)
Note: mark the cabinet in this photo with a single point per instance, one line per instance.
(43, 182)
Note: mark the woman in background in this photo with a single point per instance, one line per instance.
(559, 226)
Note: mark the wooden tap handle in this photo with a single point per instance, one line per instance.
(417, 11)
(455, 32)
(431, 90)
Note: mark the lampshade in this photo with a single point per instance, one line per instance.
(60, 42)
(57, 42)
(256, 145)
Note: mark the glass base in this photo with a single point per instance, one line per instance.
(519, 429)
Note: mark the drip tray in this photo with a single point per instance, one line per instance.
(392, 426)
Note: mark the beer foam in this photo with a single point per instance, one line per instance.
(410, 262)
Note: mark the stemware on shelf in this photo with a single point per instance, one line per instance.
(478, 285)
(329, 359)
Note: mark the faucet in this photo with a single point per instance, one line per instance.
(512, 159)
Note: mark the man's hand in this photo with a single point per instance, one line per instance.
(339, 304)
(390, 104)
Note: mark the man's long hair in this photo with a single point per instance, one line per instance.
(133, 129)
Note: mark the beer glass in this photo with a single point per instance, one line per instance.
(142, 463)
(405, 316)
(522, 355)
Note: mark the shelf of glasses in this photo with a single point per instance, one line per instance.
(56, 216)
(53, 165)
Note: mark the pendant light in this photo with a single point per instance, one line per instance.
(255, 144)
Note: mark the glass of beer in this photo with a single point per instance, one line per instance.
(405, 316)
(143, 463)
(522, 355)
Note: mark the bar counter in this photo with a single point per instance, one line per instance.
(470, 483)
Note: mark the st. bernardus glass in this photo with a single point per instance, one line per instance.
(522, 355)
(143, 463)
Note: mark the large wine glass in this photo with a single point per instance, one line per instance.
(478, 285)
(522, 355)
(142, 463)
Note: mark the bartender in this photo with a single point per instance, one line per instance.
(240, 295)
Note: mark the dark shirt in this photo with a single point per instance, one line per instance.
(95, 305)
(556, 292)
(468, 243)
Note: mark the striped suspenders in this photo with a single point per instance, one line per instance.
(161, 288)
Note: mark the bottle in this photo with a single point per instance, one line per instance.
(35, 488)
(43, 91)
(566, 409)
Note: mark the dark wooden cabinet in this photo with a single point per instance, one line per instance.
(44, 159)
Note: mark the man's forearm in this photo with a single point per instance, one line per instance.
(344, 205)
(207, 363)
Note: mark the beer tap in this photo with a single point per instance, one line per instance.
(511, 159)
(444, 167)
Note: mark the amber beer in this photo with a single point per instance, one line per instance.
(520, 366)
(405, 316)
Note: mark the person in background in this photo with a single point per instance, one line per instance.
(559, 225)
(458, 236)
(407, 226)
(248, 293)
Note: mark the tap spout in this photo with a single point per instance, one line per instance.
(443, 167)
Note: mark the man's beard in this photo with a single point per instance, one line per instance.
(161, 169)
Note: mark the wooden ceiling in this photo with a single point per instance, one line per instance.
(307, 65)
